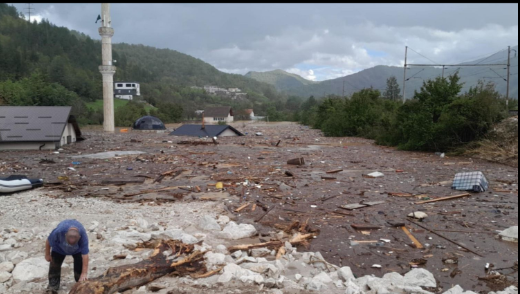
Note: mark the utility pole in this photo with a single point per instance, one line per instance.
(29, 10)
(404, 76)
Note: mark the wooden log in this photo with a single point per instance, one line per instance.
(281, 252)
(120, 182)
(444, 198)
(126, 277)
(242, 207)
(335, 171)
(414, 240)
(296, 240)
(365, 227)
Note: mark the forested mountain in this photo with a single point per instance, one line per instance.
(281, 79)
(376, 77)
(42, 64)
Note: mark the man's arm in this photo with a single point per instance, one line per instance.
(48, 251)
(84, 271)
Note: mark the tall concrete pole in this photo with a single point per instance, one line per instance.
(508, 75)
(404, 76)
(107, 69)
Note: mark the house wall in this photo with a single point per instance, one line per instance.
(228, 133)
(69, 131)
(27, 146)
(212, 121)
(230, 119)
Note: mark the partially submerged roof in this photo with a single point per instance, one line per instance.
(223, 111)
(34, 123)
(208, 131)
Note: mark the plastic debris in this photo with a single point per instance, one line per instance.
(376, 175)
(470, 181)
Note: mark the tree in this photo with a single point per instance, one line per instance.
(392, 92)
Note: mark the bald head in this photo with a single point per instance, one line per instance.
(73, 236)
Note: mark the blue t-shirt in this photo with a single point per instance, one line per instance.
(59, 243)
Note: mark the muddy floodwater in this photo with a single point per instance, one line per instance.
(254, 171)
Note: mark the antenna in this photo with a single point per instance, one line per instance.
(29, 9)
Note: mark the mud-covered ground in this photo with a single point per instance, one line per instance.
(253, 171)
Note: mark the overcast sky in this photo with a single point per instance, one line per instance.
(317, 41)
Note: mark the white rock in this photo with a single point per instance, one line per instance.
(208, 223)
(16, 256)
(10, 241)
(420, 278)
(30, 269)
(298, 277)
(418, 215)
(215, 258)
(288, 246)
(131, 238)
(237, 254)
(510, 234)
(5, 247)
(176, 235)
(323, 277)
(225, 278)
(234, 232)
(5, 276)
(6, 266)
(345, 274)
(221, 249)
(458, 290)
(260, 252)
(352, 288)
(94, 226)
(223, 220)
(510, 290)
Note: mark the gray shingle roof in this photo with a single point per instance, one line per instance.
(197, 131)
(223, 111)
(33, 123)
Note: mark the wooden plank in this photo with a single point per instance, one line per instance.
(400, 194)
(119, 182)
(335, 171)
(414, 240)
(444, 198)
(242, 207)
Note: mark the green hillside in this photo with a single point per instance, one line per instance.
(42, 64)
(282, 80)
(376, 77)
(98, 104)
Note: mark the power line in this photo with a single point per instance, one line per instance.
(498, 74)
(416, 74)
(424, 56)
(29, 9)
(489, 57)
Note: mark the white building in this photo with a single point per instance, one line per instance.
(126, 90)
(218, 114)
(37, 127)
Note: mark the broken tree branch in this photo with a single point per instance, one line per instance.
(444, 198)
(296, 240)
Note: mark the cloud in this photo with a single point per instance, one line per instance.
(333, 39)
(306, 74)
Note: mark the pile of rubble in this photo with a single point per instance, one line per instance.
(116, 234)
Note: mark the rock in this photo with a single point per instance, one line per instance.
(32, 268)
(458, 290)
(6, 266)
(510, 290)
(93, 227)
(319, 282)
(352, 288)
(223, 220)
(225, 278)
(208, 223)
(221, 249)
(510, 234)
(5, 247)
(270, 283)
(16, 256)
(285, 188)
(260, 252)
(346, 274)
(215, 258)
(418, 215)
(5, 276)
(420, 278)
(131, 238)
(237, 254)
(176, 235)
(298, 277)
(234, 232)
(288, 246)
(10, 241)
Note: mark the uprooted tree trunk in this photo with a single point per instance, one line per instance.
(182, 260)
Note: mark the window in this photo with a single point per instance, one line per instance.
(129, 85)
(133, 85)
(119, 85)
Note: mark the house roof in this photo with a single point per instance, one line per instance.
(197, 131)
(33, 123)
(223, 111)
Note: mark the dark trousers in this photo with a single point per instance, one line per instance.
(55, 269)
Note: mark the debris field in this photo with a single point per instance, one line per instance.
(371, 208)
